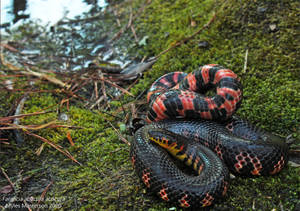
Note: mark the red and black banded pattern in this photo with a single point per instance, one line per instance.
(239, 146)
(180, 94)
(209, 147)
(163, 177)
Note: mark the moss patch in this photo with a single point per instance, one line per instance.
(267, 30)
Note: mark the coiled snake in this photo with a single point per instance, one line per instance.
(212, 147)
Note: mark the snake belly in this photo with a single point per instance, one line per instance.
(210, 146)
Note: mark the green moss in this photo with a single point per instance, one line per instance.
(271, 86)
(264, 193)
(106, 179)
(270, 81)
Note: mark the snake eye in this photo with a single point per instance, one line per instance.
(229, 127)
(136, 124)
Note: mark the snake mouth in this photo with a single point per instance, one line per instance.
(203, 133)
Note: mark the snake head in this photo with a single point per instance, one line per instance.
(136, 124)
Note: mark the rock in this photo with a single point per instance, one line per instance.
(203, 44)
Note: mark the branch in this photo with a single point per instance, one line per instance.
(187, 38)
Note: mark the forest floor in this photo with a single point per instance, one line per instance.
(68, 95)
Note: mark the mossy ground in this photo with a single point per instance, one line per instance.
(106, 181)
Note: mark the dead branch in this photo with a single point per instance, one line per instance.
(8, 188)
(119, 134)
(37, 127)
(128, 88)
(246, 61)
(8, 179)
(29, 72)
(46, 77)
(18, 136)
(97, 102)
(42, 197)
(58, 147)
(117, 18)
(6, 119)
(9, 47)
(97, 16)
(103, 88)
(115, 85)
(130, 21)
(133, 111)
(134, 33)
(7, 64)
(96, 89)
(128, 105)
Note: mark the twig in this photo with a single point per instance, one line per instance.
(44, 192)
(104, 112)
(9, 47)
(7, 64)
(51, 124)
(128, 88)
(103, 88)
(40, 149)
(77, 85)
(5, 119)
(59, 148)
(246, 60)
(98, 15)
(124, 113)
(133, 110)
(116, 86)
(11, 76)
(96, 89)
(31, 172)
(73, 95)
(128, 25)
(27, 205)
(46, 77)
(187, 38)
(3, 141)
(119, 134)
(8, 189)
(121, 31)
(130, 18)
(19, 138)
(65, 101)
(294, 151)
(33, 73)
(117, 19)
(97, 102)
(30, 90)
(17, 189)
(134, 34)
(126, 106)
(6, 176)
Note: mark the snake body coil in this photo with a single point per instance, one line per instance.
(209, 147)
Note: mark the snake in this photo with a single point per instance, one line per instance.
(204, 133)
